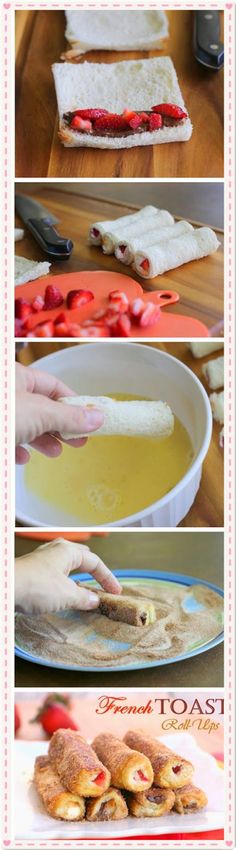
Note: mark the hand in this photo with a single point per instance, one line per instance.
(41, 578)
(40, 417)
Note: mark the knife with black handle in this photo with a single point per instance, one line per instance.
(208, 48)
(40, 223)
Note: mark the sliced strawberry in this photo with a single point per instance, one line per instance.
(94, 232)
(145, 264)
(99, 315)
(95, 330)
(145, 117)
(61, 329)
(170, 110)
(61, 317)
(80, 124)
(150, 315)
(136, 307)
(110, 122)
(78, 298)
(44, 329)
(38, 303)
(99, 779)
(19, 330)
(122, 326)
(135, 122)
(53, 297)
(142, 776)
(90, 114)
(22, 308)
(116, 296)
(155, 121)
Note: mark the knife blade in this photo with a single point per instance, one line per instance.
(208, 49)
(40, 223)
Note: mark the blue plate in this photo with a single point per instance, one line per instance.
(127, 577)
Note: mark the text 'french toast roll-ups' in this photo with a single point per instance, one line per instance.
(160, 258)
(170, 770)
(111, 806)
(189, 799)
(99, 229)
(151, 803)
(130, 770)
(126, 418)
(58, 802)
(77, 764)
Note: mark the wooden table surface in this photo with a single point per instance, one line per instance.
(199, 284)
(208, 508)
(40, 41)
(193, 554)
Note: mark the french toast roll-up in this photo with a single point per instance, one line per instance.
(140, 612)
(58, 802)
(170, 770)
(111, 806)
(189, 799)
(151, 803)
(77, 764)
(130, 770)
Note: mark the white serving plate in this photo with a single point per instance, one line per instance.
(32, 822)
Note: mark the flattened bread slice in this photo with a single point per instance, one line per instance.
(136, 85)
(26, 270)
(114, 30)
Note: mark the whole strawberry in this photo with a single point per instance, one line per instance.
(52, 297)
(53, 714)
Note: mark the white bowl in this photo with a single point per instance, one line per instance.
(124, 367)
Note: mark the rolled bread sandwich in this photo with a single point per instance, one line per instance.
(217, 406)
(170, 770)
(114, 30)
(201, 349)
(152, 803)
(58, 802)
(139, 613)
(189, 799)
(111, 806)
(99, 229)
(77, 764)
(126, 418)
(160, 258)
(121, 104)
(111, 240)
(213, 371)
(26, 270)
(129, 769)
(127, 248)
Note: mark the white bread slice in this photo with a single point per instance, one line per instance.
(213, 371)
(18, 234)
(26, 270)
(111, 240)
(138, 85)
(169, 255)
(217, 406)
(126, 418)
(104, 227)
(201, 349)
(114, 30)
(151, 236)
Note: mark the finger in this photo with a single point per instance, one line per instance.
(22, 456)
(64, 418)
(47, 445)
(77, 597)
(77, 443)
(45, 384)
(94, 565)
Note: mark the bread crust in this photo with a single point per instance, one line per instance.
(111, 806)
(58, 802)
(77, 764)
(124, 609)
(123, 763)
(141, 806)
(73, 139)
(170, 770)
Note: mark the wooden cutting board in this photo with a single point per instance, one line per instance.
(40, 41)
(199, 284)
